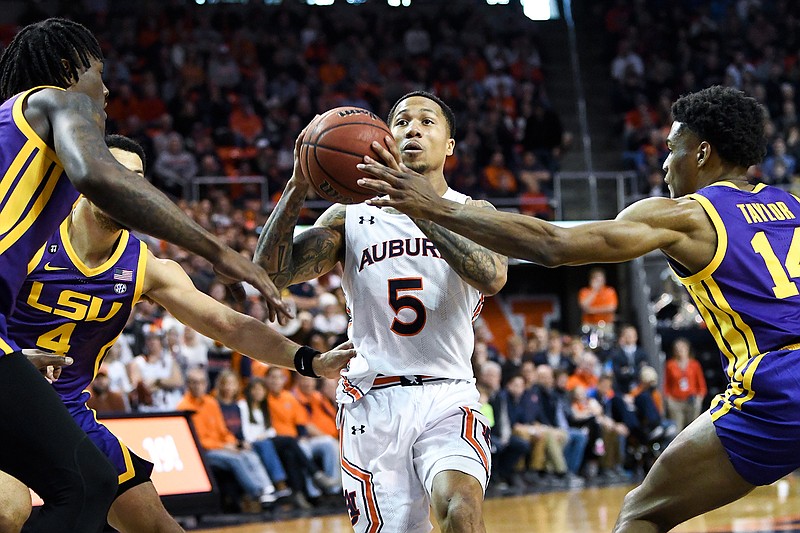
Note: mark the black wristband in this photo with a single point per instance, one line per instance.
(302, 361)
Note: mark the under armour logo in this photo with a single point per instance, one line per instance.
(354, 429)
(371, 220)
(53, 248)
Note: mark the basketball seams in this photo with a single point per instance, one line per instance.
(331, 177)
(333, 153)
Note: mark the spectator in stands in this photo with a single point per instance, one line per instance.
(103, 399)
(543, 135)
(220, 445)
(515, 350)
(553, 355)
(555, 413)
(586, 375)
(778, 167)
(156, 375)
(290, 419)
(332, 320)
(627, 358)
(650, 408)
(175, 167)
(598, 301)
(321, 409)
(117, 372)
(258, 434)
(194, 348)
(497, 179)
(508, 447)
(684, 384)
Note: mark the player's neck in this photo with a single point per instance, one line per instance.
(93, 244)
(438, 182)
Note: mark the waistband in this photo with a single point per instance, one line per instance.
(416, 380)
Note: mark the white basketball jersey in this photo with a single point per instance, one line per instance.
(411, 314)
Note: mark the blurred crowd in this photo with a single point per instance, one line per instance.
(224, 90)
(661, 50)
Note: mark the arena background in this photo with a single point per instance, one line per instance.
(585, 93)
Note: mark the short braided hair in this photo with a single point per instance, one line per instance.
(33, 57)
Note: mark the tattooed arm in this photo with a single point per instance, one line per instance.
(480, 267)
(290, 259)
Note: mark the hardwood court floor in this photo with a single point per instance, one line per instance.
(589, 510)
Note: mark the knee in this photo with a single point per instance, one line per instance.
(14, 513)
(640, 513)
(459, 511)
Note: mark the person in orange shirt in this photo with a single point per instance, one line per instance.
(684, 384)
(598, 301)
(219, 444)
(321, 410)
(585, 375)
(290, 418)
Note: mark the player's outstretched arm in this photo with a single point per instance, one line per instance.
(77, 136)
(167, 284)
(314, 252)
(647, 225)
(477, 265)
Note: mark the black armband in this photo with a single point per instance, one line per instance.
(302, 361)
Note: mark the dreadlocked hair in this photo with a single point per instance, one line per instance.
(34, 56)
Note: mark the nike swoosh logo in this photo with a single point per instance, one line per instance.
(48, 267)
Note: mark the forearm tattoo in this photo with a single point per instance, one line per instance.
(471, 261)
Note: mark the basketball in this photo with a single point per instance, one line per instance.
(333, 144)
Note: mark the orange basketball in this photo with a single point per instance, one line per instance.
(333, 144)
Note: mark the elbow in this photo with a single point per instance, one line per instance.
(495, 285)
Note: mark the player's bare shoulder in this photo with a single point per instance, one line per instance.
(682, 214)
(333, 218)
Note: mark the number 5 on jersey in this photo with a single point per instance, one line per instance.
(407, 301)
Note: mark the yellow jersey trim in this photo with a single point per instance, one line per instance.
(33, 213)
(141, 270)
(25, 127)
(79, 264)
(126, 455)
(36, 259)
(722, 240)
(4, 347)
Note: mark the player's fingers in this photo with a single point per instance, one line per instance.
(393, 149)
(380, 202)
(387, 156)
(376, 185)
(389, 175)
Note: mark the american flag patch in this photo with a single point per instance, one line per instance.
(123, 274)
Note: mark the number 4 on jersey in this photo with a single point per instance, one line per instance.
(396, 285)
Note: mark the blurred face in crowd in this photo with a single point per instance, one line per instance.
(420, 130)
(276, 379)
(197, 382)
(628, 336)
(257, 391)
(544, 376)
(681, 349)
(516, 386)
(306, 384)
(228, 387)
(491, 375)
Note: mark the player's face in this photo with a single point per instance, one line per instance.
(420, 131)
(681, 163)
(132, 162)
(90, 82)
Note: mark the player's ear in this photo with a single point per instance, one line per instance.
(451, 146)
(703, 153)
(65, 65)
